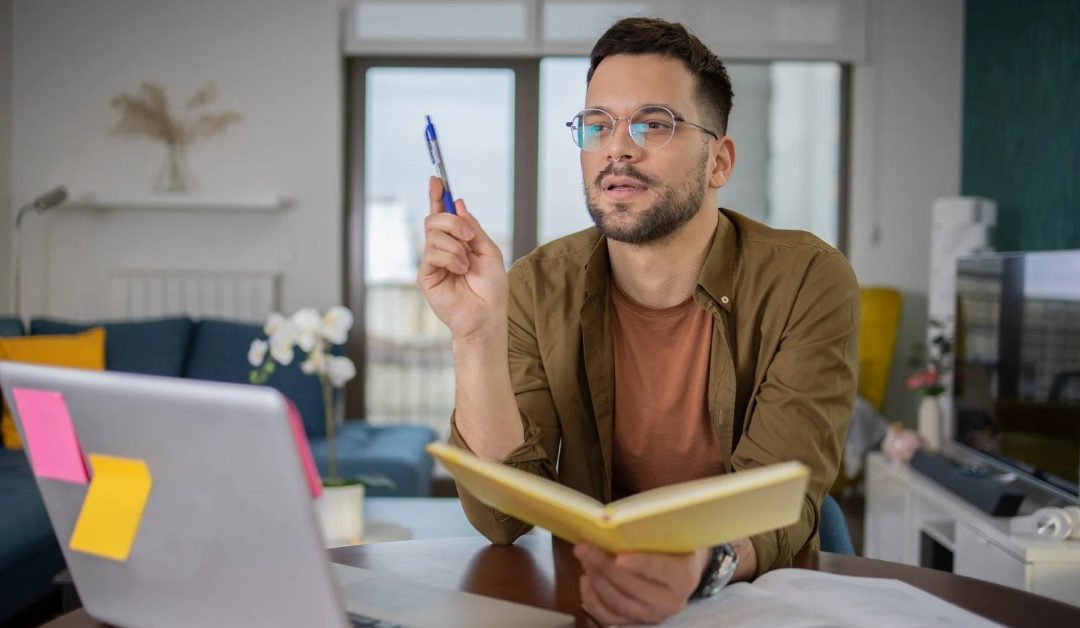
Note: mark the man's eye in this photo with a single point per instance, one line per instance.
(596, 128)
(656, 125)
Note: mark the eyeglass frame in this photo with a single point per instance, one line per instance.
(615, 123)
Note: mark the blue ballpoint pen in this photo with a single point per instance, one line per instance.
(436, 158)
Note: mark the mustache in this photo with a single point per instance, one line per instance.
(625, 171)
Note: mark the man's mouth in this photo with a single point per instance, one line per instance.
(622, 188)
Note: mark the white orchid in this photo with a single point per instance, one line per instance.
(257, 352)
(336, 324)
(314, 364)
(307, 322)
(339, 370)
(272, 322)
(314, 335)
(281, 342)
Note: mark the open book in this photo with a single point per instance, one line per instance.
(674, 519)
(798, 598)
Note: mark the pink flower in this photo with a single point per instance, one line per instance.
(927, 382)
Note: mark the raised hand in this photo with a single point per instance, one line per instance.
(461, 273)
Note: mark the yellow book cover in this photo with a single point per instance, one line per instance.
(672, 519)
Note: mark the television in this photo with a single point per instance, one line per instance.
(1016, 387)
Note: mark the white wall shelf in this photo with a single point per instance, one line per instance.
(183, 202)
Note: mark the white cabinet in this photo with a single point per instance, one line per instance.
(911, 519)
(978, 557)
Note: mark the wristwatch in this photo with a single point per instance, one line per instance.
(718, 571)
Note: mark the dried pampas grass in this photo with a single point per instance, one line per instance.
(146, 112)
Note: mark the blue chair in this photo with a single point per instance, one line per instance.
(833, 529)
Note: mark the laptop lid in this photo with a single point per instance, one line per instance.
(226, 534)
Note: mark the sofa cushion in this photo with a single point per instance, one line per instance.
(219, 351)
(393, 451)
(152, 347)
(85, 350)
(29, 553)
(10, 326)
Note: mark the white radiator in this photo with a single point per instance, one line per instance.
(234, 294)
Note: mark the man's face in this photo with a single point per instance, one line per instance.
(634, 194)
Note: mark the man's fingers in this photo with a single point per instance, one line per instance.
(449, 261)
(455, 226)
(439, 241)
(667, 571)
(596, 607)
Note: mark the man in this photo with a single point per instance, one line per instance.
(670, 342)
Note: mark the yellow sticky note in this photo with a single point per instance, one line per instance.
(110, 516)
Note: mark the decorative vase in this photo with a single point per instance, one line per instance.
(173, 176)
(930, 422)
(341, 514)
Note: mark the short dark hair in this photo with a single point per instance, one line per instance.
(649, 35)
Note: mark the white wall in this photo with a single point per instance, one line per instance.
(275, 61)
(6, 215)
(907, 130)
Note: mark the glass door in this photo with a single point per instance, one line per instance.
(405, 352)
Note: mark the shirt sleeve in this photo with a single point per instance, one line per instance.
(535, 405)
(803, 408)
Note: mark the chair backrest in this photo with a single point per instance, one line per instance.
(878, 323)
(833, 530)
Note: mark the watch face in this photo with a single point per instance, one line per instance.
(722, 568)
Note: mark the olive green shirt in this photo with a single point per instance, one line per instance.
(782, 366)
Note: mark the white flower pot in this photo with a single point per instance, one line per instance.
(930, 427)
(341, 514)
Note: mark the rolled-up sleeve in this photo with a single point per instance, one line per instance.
(802, 409)
(535, 405)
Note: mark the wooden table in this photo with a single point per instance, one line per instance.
(541, 571)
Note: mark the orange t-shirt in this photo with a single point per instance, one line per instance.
(663, 431)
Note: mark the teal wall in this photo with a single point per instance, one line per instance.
(1022, 119)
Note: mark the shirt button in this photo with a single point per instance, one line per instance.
(725, 300)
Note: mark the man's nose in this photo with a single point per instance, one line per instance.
(622, 146)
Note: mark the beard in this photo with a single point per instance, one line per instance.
(674, 208)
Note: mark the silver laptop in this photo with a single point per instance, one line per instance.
(228, 535)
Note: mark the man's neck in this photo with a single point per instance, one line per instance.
(663, 273)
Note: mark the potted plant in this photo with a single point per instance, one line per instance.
(930, 383)
(340, 508)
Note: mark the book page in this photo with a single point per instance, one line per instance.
(747, 606)
(879, 602)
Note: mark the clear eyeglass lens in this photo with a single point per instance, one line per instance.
(650, 127)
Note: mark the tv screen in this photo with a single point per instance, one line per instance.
(1017, 380)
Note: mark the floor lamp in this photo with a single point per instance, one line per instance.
(41, 204)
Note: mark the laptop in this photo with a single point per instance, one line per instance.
(227, 535)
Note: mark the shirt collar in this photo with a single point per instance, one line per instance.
(717, 275)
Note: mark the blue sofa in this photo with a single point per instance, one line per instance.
(206, 349)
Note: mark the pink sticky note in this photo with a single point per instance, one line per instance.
(303, 449)
(50, 436)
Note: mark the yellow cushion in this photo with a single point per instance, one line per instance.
(84, 350)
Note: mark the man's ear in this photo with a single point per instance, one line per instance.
(722, 162)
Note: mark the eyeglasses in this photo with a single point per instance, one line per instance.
(650, 127)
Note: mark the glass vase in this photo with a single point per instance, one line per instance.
(174, 176)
